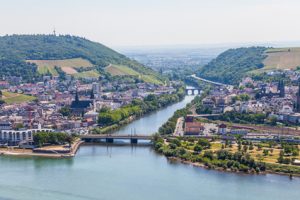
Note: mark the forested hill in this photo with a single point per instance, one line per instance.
(16, 49)
(230, 66)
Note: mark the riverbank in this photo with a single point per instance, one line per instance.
(202, 165)
(47, 152)
(223, 156)
(112, 120)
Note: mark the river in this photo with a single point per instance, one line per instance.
(100, 172)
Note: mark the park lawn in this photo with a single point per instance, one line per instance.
(270, 158)
(11, 98)
(87, 74)
(215, 146)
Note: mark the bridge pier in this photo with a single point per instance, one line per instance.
(133, 141)
(109, 140)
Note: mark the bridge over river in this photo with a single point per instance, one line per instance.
(109, 138)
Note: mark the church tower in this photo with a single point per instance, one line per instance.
(76, 97)
(281, 89)
(298, 99)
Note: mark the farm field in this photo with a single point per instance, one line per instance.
(91, 74)
(282, 58)
(12, 98)
(122, 70)
(67, 65)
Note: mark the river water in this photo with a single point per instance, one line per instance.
(133, 173)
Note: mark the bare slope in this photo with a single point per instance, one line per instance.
(282, 58)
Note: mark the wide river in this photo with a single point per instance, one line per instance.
(133, 173)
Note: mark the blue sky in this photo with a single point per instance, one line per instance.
(156, 22)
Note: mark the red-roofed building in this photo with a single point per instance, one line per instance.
(4, 84)
(222, 129)
(193, 128)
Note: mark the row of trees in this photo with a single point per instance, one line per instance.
(108, 117)
(244, 118)
(169, 126)
(45, 138)
(138, 107)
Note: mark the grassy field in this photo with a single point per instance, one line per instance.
(86, 74)
(121, 70)
(67, 65)
(256, 153)
(282, 58)
(12, 98)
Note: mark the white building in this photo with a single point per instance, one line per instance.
(14, 137)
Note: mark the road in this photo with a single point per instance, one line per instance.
(212, 82)
(179, 127)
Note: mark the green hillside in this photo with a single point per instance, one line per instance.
(17, 49)
(230, 66)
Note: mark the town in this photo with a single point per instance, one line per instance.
(262, 113)
(71, 105)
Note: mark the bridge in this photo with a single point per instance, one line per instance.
(109, 138)
(205, 115)
(193, 90)
(211, 82)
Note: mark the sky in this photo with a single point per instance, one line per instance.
(156, 22)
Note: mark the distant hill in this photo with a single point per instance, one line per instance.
(230, 66)
(30, 56)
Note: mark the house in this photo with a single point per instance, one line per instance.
(4, 84)
(91, 115)
(296, 162)
(5, 125)
(222, 129)
(193, 128)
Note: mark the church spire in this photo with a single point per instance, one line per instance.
(92, 94)
(76, 97)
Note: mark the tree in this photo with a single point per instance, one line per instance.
(266, 152)
(2, 102)
(69, 139)
(65, 111)
(204, 143)
(209, 154)
(251, 146)
(198, 148)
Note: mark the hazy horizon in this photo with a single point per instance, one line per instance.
(126, 23)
